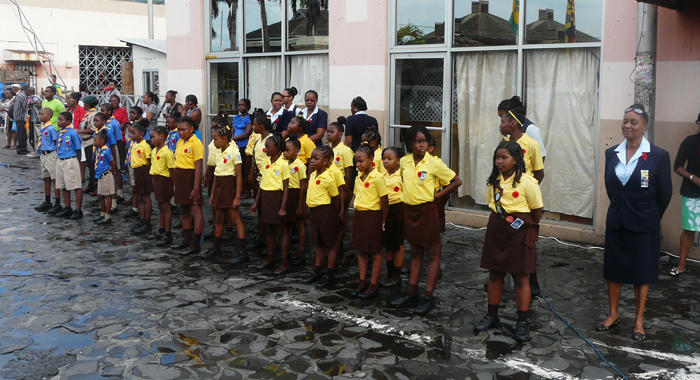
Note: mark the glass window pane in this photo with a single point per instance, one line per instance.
(481, 81)
(400, 141)
(264, 76)
(418, 92)
(547, 20)
(263, 26)
(420, 22)
(307, 28)
(224, 20)
(224, 87)
(485, 23)
(310, 72)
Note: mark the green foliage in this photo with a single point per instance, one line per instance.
(410, 34)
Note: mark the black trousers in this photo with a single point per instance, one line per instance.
(92, 183)
(21, 136)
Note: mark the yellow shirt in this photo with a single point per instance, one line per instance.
(343, 156)
(378, 162)
(526, 196)
(162, 161)
(227, 160)
(419, 181)
(321, 189)
(337, 175)
(297, 172)
(307, 147)
(188, 152)
(394, 186)
(369, 191)
(140, 153)
(274, 174)
(254, 137)
(259, 152)
(211, 154)
(532, 153)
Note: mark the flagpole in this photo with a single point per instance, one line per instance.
(645, 62)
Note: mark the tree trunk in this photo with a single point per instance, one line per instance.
(265, 33)
(232, 23)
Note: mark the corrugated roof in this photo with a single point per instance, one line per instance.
(157, 45)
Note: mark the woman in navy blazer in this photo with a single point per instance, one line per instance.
(317, 118)
(638, 183)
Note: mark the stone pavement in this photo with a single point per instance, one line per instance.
(79, 301)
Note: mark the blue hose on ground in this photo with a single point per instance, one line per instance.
(583, 337)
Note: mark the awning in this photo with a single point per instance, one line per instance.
(670, 4)
(26, 56)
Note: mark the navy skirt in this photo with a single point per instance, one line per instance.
(631, 257)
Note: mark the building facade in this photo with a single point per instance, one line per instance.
(447, 65)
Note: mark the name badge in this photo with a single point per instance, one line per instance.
(517, 223)
(645, 178)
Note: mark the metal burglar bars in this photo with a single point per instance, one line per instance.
(100, 64)
(38, 47)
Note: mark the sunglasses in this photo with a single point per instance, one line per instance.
(635, 110)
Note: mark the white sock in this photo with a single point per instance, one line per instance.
(120, 193)
(135, 209)
(107, 216)
(114, 204)
(102, 214)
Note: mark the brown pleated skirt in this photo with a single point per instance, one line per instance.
(292, 205)
(324, 226)
(210, 180)
(223, 191)
(270, 207)
(422, 224)
(441, 203)
(162, 188)
(184, 184)
(367, 231)
(394, 229)
(508, 250)
(142, 178)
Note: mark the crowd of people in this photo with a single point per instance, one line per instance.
(305, 174)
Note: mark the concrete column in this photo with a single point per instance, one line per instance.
(645, 69)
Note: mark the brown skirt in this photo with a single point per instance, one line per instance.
(223, 191)
(441, 203)
(324, 231)
(162, 188)
(367, 231)
(394, 229)
(270, 208)
(184, 184)
(508, 250)
(292, 205)
(210, 180)
(142, 178)
(421, 223)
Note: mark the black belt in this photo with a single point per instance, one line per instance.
(47, 151)
(67, 158)
(104, 174)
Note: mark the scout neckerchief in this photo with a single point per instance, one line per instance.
(60, 137)
(94, 152)
(101, 154)
(514, 222)
(38, 145)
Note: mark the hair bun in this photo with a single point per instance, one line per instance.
(342, 119)
(294, 91)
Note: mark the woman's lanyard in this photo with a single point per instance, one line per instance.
(514, 222)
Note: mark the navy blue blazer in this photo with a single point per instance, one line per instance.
(633, 207)
(319, 120)
(283, 122)
(356, 127)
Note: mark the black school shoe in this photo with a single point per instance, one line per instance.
(313, 278)
(240, 259)
(522, 332)
(367, 294)
(426, 304)
(104, 221)
(97, 219)
(487, 323)
(164, 241)
(131, 213)
(46, 206)
(66, 213)
(211, 253)
(136, 226)
(145, 228)
(55, 209)
(77, 214)
(405, 300)
(120, 200)
(358, 290)
(325, 282)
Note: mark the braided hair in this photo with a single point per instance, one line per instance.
(303, 124)
(224, 131)
(517, 114)
(398, 151)
(372, 134)
(340, 124)
(326, 152)
(278, 140)
(366, 149)
(292, 138)
(517, 153)
(411, 133)
(260, 117)
(161, 130)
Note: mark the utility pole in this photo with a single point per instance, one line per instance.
(150, 19)
(645, 62)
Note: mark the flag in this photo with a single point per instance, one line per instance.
(515, 16)
(570, 27)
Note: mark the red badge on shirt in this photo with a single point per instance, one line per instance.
(366, 185)
(644, 156)
(374, 164)
(396, 189)
(139, 152)
(318, 181)
(225, 160)
(516, 194)
(46, 133)
(263, 150)
(524, 151)
(337, 159)
(296, 169)
(157, 157)
(267, 166)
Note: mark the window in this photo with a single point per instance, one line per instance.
(455, 89)
(225, 19)
(100, 64)
(150, 81)
(224, 88)
(263, 26)
(307, 25)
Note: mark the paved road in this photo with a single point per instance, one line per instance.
(79, 301)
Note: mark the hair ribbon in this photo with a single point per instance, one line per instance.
(516, 119)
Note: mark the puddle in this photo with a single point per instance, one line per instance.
(61, 338)
(335, 367)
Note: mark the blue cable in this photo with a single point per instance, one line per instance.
(584, 338)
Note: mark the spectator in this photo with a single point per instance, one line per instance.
(19, 115)
(10, 128)
(50, 102)
(358, 123)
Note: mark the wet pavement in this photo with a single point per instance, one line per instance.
(79, 301)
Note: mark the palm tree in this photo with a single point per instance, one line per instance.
(231, 23)
(304, 3)
(410, 34)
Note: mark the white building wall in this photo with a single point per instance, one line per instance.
(147, 59)
(64, 25)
